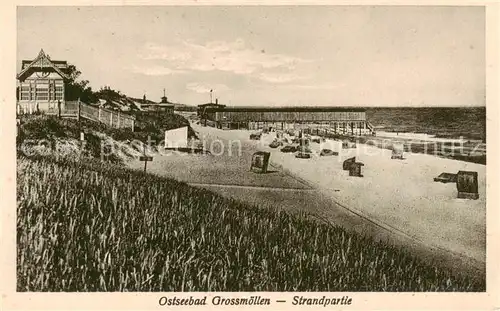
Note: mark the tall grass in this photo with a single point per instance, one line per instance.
(153, 125)
(54, 131)
(89, 227)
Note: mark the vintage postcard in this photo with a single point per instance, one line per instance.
(273, 156)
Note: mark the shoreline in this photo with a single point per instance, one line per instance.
(472, 151)
(425, 136)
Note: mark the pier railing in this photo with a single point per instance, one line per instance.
(78, 109)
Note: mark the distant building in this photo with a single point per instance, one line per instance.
(348, 120)
(164, 106)
(41, 83)
(203, 109)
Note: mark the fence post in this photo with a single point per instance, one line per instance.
(99, 114)
(133, 124)
(78, 109)
(59, 109)
(111, 118)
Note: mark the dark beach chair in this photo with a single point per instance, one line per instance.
(347, 163)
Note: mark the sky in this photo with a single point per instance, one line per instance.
(269, 55)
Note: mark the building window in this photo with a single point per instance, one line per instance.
(52, 91)
(42, 90)
(59, 92)
(25, 92)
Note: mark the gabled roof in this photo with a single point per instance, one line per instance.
(43, 61)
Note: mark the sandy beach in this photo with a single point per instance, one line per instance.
(395, 200)
(400, 194)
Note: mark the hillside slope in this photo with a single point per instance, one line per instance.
(115, 100)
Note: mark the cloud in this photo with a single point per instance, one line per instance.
(281, 77)
(232, 57)
(155, 70)
(322, 86)
(205, 88)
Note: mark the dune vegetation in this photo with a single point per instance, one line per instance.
(89, 226)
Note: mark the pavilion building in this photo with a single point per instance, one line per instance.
(41, 84)
(348, 120)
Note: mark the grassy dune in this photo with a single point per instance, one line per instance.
(61, 137)
(147, 124)
(92, 227)
(41, 134)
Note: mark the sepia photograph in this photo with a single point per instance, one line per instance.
(234, 148)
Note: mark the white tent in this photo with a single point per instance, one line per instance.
(397, 150)
(177, 138)
(331, 144)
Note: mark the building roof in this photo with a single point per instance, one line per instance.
(288, 109)
(61, 64)
(158, 104)
(164, 102)
(211, 104)
(42, 61)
